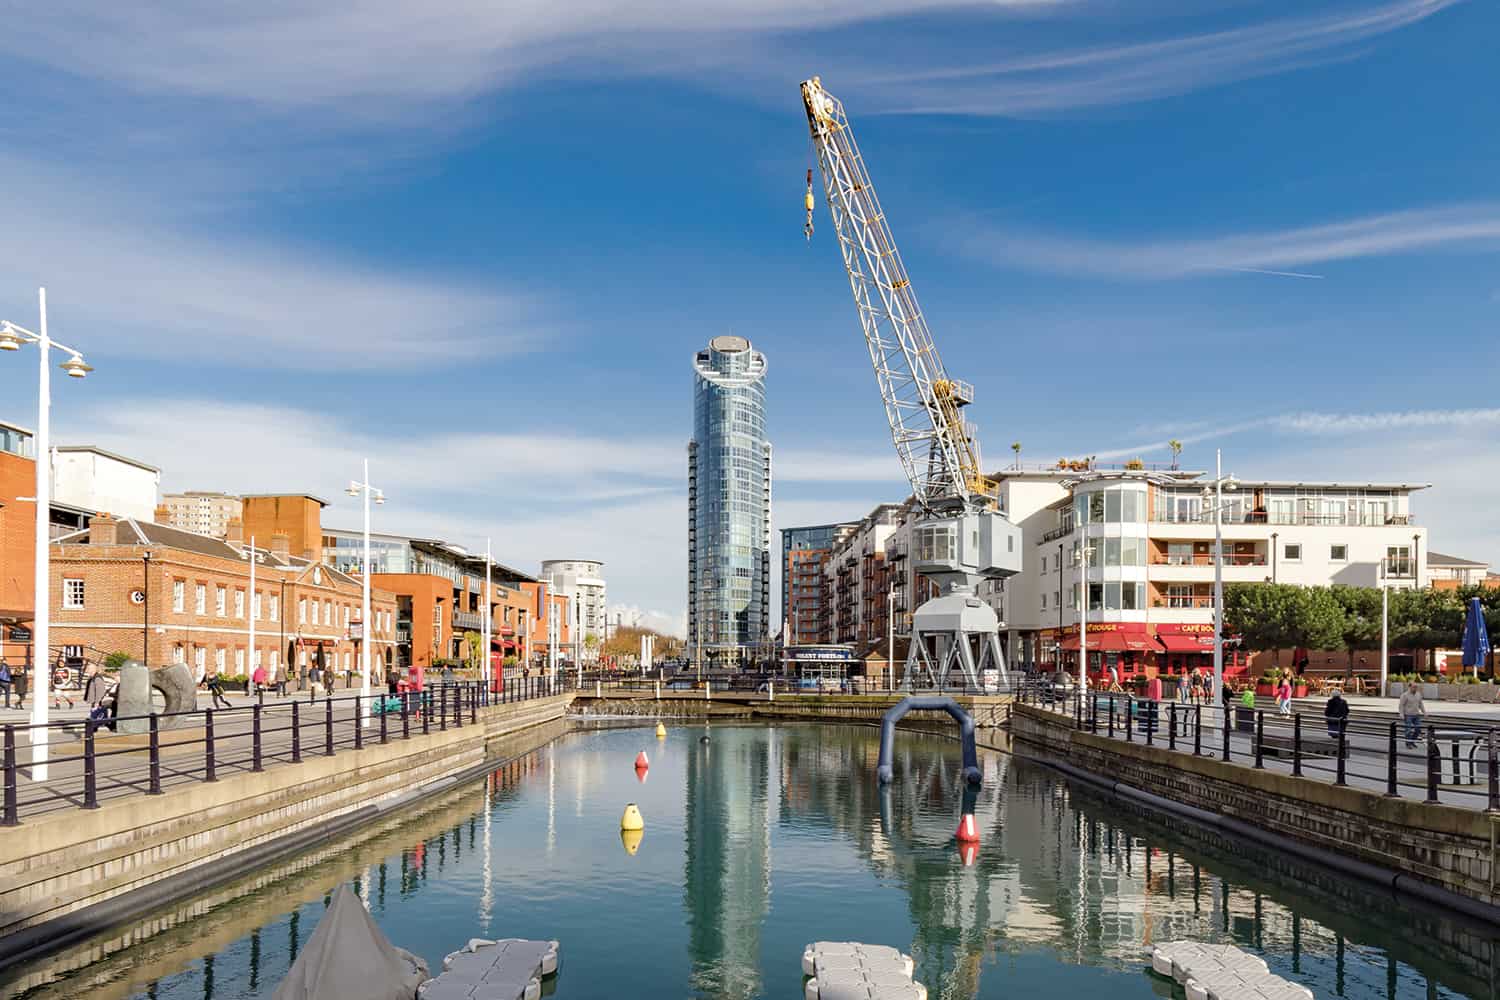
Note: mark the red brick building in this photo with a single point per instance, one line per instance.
(17, 539)
(137, 587)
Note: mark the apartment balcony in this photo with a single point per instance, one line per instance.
(1056, 533)
(468, 620)
(1274, 519)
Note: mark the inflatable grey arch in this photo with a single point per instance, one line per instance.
(965, 734)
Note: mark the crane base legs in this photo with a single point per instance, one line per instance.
(955, 643)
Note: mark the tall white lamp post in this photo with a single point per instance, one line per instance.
(1385, 627)
(363, 488)
(11, 339)
(890, 637)
(485, 669)
(1083, 614)
(1220, 484)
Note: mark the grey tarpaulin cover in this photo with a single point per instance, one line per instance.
(347, 958)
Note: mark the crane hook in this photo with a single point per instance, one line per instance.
(807, 230)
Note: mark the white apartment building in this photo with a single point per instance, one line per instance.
(103, 482)
(580, 580)
(199, 511)
(1150, 569)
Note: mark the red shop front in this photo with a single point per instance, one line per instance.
(1189, 645)
(1125, 646)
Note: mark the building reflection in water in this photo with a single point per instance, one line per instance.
(727, 877)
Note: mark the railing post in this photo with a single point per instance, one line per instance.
(255, 764)
(1297, 745)
(13, 817)
(406, 715)
(1494, 774)
(384, 738)
(1148, 720)
(1343, 751)
(296, 732)
(424, 708)
(1078, 710)
(1390, 765)
(90, 767)
(1129, 717)
(443, 708)
(1260, 739)
(1434, 766)
(1455, 762)
(154, 788)
(474, 706)
(1227, 713)
(208, 745)
(359, 720)
(328, 727)
(1197, 730)
(1172, 726)
(1111, 716)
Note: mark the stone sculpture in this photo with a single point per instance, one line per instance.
(133, 698)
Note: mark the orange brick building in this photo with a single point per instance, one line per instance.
(136, 587)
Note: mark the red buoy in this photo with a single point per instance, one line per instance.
(967, 853)
(968, 832)
(641, 763)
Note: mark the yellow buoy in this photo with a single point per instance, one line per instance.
(632, 819)
(631, 840)
(661, 731)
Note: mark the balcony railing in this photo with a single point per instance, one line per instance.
(1361, 520)
(1207, 559)
(1194, 601)
(468, 620)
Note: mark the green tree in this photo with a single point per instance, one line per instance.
(1260, 614)
(1361, 620)
(1317, 618)
(1426, 619)
(474, 644)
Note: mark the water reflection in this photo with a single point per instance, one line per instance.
(764, 839)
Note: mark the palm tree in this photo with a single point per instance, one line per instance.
(1176, 447)
(1015, 446)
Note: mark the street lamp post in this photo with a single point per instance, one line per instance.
(1220, 484)
(1083, 613)
(250, 608)
(11, 339)
(364, 489)
(1385, 626)
(890, 636)
(146, 608)
(485, 661)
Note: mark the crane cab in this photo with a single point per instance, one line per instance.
(956, 549)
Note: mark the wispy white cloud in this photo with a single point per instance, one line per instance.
(1053, 81)
(1467, 226)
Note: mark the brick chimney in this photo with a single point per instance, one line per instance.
(234, 531)
(281, 544)
(103, 530)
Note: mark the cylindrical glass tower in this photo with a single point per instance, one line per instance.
(729, 506)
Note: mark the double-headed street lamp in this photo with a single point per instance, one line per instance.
(1215, 491)
(11, 339)
(363, 488)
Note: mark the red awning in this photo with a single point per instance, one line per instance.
(1176, 643)
(1106, 642)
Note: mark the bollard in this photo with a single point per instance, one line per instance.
(328, 728)
(1390, 766)
(12, 812)
(296, 732)
(1434, 766)
(208, 745)
(359, 723)
(1260, 739)
(1343, 752)
(405, 715)
(90, 767)
(255, 764)
(1297, 745)
(658, 690)
(1197, 730)
(154, 788)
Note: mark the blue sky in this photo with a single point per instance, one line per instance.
(479, 244)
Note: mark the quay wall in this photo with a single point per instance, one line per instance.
(1441, 853)
(70, 874)
(989, 712)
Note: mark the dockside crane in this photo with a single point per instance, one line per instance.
(960, 537)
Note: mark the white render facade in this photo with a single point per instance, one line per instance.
(202, 512)
(581, 580)
(103, 482)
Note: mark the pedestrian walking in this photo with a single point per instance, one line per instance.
(258, 678)
(1284, 696)
(1411, 709)
(5, 680)
(20, 679)
(60, 677)
(281, 680)
(95, 687)
(1336, 714)
(1184, 683)
(216, 688)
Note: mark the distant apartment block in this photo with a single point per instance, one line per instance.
(201, 512)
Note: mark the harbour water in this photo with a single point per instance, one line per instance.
(765, 838)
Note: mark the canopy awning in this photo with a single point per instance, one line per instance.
(1186, 643)
(1107, 642)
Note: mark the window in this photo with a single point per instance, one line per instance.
(179, 589)
(346, 616)
(1338, 553)
(1398, 560)
(72, 595)
(275, 658)
(315, 612)
(221, 597)
(1044, 602)
(301, 611)
(239, 661)
(1044, 564)
(327, 612)
(347, 661)
(1096, 597)
(219, 659)
(1179, 553)
(275, 609)
(1179, 595)
(200, 657)
(1292, 552)
(239, 604)
(200, 598)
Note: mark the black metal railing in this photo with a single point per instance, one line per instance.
(1447, 761)
(92, 759)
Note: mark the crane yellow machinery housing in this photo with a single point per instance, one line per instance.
(961, 537)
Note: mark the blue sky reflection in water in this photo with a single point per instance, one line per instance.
(767, 838)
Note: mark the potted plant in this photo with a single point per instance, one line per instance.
(1265, 685)
(1299, 687)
